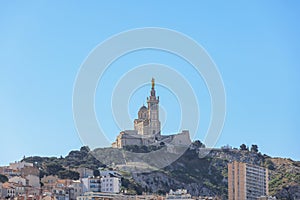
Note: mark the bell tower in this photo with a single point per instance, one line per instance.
(153, 111)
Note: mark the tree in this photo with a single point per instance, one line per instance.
(68, 174)
(85, 149)
(254, 148)
(3, 178)
(52, 168)
(199, 144)
(243, 147)
(96, 173)
(269, 164)
(161, 192)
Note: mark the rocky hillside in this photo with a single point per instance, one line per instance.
(205, 176)
(284, 177)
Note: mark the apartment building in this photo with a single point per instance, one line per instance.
(246, 181)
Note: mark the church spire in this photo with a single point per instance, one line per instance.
(153, 83)
(152, 89)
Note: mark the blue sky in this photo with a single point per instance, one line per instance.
(255, 45)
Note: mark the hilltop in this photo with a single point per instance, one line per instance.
(205, 176)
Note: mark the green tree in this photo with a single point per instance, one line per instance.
(254, 148)
(96, 172)
(85, 149)
(198, 144)
(161, 192)
(3, 178)
(269, 164)
(53, 168)
(243, 147)
(68, 174)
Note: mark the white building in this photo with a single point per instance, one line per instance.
(110, 184)
(100, 196)
(178, 194)
(91, 184)
(110, 181)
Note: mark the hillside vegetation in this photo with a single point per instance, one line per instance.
(205, 176)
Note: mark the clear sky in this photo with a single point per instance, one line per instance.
(255, 44)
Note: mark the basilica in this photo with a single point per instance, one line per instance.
(147, 127)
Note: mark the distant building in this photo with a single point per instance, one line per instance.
(147, 127)
(18, 179)
(8, 190)
(49, 182)
(49, 179)
(9, 172)
(110, 182)
(33, 181)
(12, 189)
(226, 147)
(85, 172)
(111, 196)
(75, 189)
(91, 184)
(19, 165)
(178, 194)
(98, 196)
(61, 189)
(19, 169)
(19, 188)
(27, 170)
(246, 181)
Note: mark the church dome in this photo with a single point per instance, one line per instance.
(142, 114)
(143, 108)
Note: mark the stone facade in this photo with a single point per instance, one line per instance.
(148, 123)
(147, 127)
